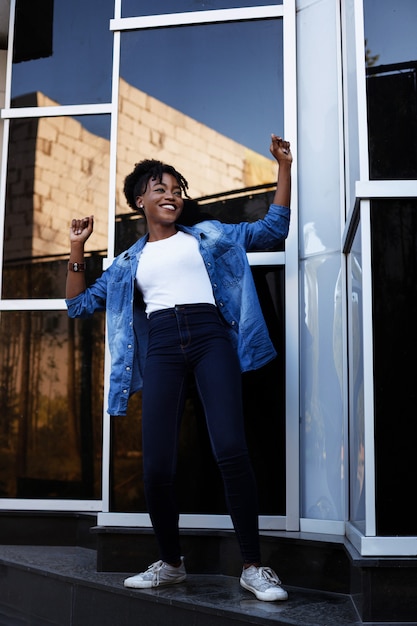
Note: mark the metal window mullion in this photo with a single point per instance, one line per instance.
(292, 339)
(55, 111)
(196, 17)
(377, 189)
(106, 443)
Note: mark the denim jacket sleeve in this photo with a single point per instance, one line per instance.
(263, 233)
(115, 292)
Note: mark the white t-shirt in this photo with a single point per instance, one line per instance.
(171, 271)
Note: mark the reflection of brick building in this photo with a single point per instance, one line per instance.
(58, 169)
(210, 161)
(62, 169)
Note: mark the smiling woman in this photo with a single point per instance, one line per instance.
(196, 313)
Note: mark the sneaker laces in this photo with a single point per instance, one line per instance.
(155, 569)
(269, 575)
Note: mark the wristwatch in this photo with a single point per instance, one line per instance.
(76, 267)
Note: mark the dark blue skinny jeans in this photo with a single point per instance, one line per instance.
(183, 339)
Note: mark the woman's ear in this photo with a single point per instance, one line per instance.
(138, 202)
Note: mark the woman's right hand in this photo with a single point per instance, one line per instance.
(81, 229)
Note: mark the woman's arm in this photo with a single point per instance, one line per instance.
(281, 150)
(80, 231)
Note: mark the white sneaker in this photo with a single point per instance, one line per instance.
(157, 574)
(263, 582)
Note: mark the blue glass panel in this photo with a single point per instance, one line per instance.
(391, 67)
(63, 51)
(390, 31)
(226, 76)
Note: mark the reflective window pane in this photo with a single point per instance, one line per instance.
(321, 396)
(210, 111)
(391, 53)
(51, 405)
(390, 31)
(57, 170)
(356, 392)
(131, 8)
(394, 276)
(199, 485)
(62, 50)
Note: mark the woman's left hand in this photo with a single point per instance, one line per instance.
(280, 149)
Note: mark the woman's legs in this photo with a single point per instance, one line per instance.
(183, 338)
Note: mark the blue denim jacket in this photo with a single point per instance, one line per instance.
(223, 248)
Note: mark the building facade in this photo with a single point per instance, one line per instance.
(89, 89)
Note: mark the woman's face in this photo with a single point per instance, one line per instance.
(162, 202)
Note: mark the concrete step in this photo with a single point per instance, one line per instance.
(321, 573)
(60, 586)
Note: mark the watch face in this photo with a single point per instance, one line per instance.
(76, 267)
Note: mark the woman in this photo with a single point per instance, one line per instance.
(182, 299)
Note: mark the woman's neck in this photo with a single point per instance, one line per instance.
(156, 233)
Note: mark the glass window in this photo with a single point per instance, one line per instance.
(62, 50)
(391, 53)
(394, 276)
(321, 429)
(356, 384)
(57, 170)
(132, 8)
(390, 31)
(205, 99)
(199, 483)
(51, 405)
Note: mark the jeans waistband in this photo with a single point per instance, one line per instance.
(185, 308)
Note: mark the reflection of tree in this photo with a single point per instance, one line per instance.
(50, 400)
(25, 407)
(8, 395)
(370, 59)
(72, 403)
(39, 403)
